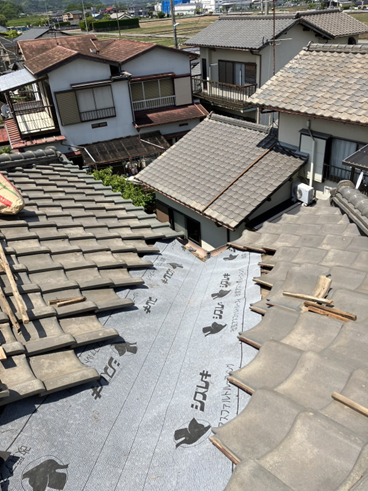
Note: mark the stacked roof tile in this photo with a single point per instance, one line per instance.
(309, 84)
(74, 238)
(254, 32)
(293, 435)
(223, 169)
(353, 203)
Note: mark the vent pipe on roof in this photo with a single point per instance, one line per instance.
(311, 175)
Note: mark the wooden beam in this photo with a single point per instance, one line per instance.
(309, 297)
(5, 307)
(350, 403)
(330, 312)
(17, 297)
(2, 354)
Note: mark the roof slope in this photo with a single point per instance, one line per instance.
(254, 32)
(63, 48)
(75, 237)
(243, 33)
(199, 170)
(333, 23)
(304, 438)
(322, 80)
(33, 33)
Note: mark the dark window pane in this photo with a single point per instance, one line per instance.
(194, 230)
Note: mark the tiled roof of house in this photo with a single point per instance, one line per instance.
(242, 33)
(156, 117)
(333, 23)
(326, 81)
(296, 433)
(358, 159)
(120, 149)
(35, 33)
(88, 46)
(74, 238)
(255, 32)
(223, 169)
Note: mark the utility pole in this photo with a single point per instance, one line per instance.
(84, 15)
(117, 17)
(172, 7)
(274, 36)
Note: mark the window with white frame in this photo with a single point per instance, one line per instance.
(149, 94)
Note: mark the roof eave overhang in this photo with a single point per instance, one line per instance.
(308, 115)
(187, 206)
(321, 32)
(246, 218)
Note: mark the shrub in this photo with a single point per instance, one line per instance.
(128, 190)
(100, 25)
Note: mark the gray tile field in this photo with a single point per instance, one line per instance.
(145, 424)
(293, 435)
(223, 169)
(74, 238)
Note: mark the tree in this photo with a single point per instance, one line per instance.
(11, 34)
(2, 20)
(160, 14)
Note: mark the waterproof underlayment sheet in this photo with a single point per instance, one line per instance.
(145, 424)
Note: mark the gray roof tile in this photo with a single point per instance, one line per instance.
(254, 32)
(201, 165)
(337, 70)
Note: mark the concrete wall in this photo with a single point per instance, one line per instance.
(167, 129)
(80, 71)
(212, 235)
(287, 47)
(283, 194)
(158, 61)
(290, 125)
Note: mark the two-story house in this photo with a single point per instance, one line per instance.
(80, 90)
(74, 17)
(322, 101)
(237, 53)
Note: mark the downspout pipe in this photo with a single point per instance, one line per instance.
(311, 175)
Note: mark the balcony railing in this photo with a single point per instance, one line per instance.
(33, 117)
(221, 93)
(337, 174)
(154, 103)
(108, 112)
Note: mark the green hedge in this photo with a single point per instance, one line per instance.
(113, 24)
(62, 24)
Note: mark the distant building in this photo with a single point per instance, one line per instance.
(165, 5)
(79, 90)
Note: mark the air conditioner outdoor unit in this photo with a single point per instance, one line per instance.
(302, 192)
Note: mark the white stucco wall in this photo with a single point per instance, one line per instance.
(214, 55)
(290, 125)
(80, 71)
(158, 61)
(287, 47)
(76, 72)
